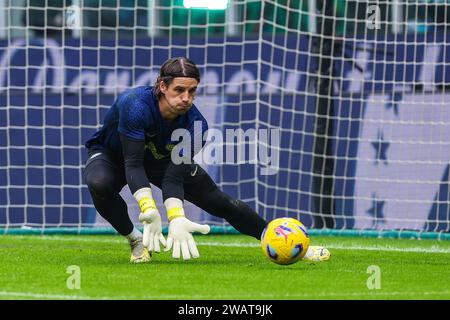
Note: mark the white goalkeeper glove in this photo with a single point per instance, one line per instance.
(180, 231)
(151, 219)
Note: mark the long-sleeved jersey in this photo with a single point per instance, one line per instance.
(134, 122)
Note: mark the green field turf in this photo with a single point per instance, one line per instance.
(230, 267)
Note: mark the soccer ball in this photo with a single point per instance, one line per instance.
(285, 240)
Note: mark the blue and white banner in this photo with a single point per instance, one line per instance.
(107, 66)
(403, 153)
(390, 144)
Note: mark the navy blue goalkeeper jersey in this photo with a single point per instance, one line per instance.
(136, 115)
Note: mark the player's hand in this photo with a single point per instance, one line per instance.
(181, 239)
(151, 219)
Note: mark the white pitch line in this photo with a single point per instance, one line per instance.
(221, 297)
(432, 249)
(41, 295)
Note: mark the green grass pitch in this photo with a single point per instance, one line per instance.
(229, 267)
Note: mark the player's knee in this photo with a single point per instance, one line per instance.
(99, 183)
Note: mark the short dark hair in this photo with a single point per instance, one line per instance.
(176, 67)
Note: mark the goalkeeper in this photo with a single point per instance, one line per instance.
(134, 147)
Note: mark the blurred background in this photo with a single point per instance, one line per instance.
(358, 90)
(143, 18)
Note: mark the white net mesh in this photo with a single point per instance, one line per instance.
(356, 89)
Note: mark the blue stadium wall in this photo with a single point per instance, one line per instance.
(42, 126)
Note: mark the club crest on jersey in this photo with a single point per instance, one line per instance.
(152, 147)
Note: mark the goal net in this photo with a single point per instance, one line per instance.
(333, 112)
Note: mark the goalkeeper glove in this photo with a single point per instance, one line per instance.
(180, 229)
(151, 219)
